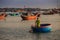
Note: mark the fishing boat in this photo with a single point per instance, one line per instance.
(27, 16)
(2, 16)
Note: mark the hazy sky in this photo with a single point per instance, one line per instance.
(29, 3)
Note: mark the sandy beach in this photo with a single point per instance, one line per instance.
(14, 29)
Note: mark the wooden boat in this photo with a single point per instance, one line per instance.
(30, 17)
(13, 14)
(2, 16)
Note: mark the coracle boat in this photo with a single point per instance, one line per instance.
(44, 28)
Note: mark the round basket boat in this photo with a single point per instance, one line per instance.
(43, 28)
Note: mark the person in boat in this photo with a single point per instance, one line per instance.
(37, 23)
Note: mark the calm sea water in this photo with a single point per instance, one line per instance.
(14, 29)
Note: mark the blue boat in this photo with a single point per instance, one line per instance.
(43, 28)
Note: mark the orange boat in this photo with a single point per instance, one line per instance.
(2, 16)
(28, 17)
